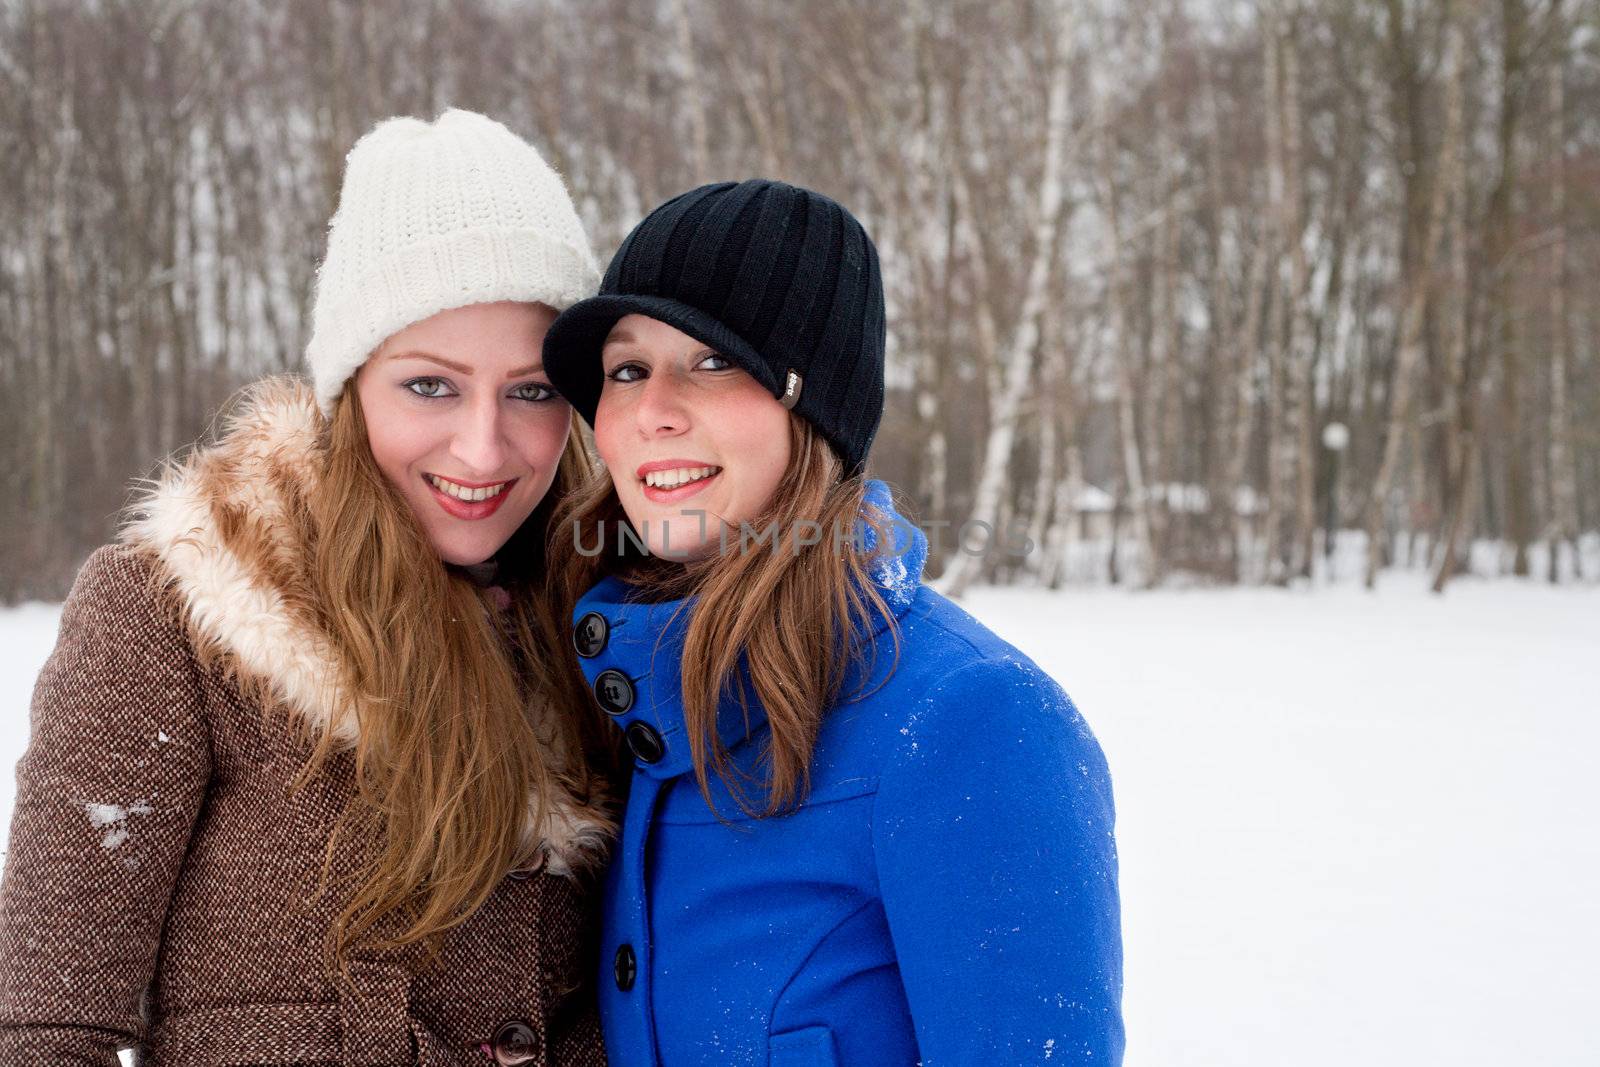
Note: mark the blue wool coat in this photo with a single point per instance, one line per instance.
(946, 894)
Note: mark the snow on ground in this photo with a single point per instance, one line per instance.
(1354, 829)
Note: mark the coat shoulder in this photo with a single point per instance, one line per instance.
(948, 656)
(955, 684)
(114, 568)
(122, 593)
(122, 644)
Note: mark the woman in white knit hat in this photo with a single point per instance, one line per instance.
(304, 784)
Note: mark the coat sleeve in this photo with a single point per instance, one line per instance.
(107, 793)
(998, 870)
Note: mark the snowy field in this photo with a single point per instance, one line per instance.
(1355, 829)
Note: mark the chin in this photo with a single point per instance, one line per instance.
(679, 539)
(465, 555)
(680, 554)
(457, 559)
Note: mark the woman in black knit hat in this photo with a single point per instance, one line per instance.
(861, 827)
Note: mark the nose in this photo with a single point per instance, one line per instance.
(661, 411)
(479, 442)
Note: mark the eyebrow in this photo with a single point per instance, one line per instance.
(624, 337)
(462, 368)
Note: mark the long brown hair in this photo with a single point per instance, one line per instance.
(795, 616)
(467, 723)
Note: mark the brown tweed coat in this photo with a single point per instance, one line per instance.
(159, 889)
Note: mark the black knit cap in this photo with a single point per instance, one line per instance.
(781, 281)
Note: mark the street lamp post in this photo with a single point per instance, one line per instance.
(1335, 438)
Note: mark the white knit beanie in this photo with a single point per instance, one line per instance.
(434, 216)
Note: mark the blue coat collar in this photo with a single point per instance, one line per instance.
(635, 650)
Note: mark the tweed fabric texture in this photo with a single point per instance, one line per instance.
(161, 885)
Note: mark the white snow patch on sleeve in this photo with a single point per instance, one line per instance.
(113, 819)
(895, 579)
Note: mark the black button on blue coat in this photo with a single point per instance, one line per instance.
(614, 692)
(589, 637)
(625, 967)
(645, 742)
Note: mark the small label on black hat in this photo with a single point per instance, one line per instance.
(791, 390)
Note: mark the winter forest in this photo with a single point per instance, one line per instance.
(1178, 290)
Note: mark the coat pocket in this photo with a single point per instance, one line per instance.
(811, 1047)
(249, 1034)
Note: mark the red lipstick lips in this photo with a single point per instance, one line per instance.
(469, 509)
(665, 495)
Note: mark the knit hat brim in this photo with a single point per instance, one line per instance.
(435, 216)
(421, 280)
(573, 343)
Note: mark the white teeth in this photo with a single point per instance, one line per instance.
(461, 492)
(682, 476)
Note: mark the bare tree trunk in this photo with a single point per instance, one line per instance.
(1299, 402)
(1234, 347)
(1062, 541)
(1563, 473)
(1059, 539)
(1280, 438)
(1413, 323)
(1014, 365)
(1458, 392)
(1246, 504)
(757, 79)
(1519, 516)
(1054, 417)
(1163, 405)
(1135, 495)
(1456, 556)
(933, 261)
(694, 102)
(1045, 478)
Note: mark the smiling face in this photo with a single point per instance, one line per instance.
(683, 431)
(463, 421)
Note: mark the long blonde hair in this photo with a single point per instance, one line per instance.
(465, 717)
(795, 617)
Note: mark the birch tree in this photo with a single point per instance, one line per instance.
(1015, 360)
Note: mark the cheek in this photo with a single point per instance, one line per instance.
(774, 460)
(542, 434)
(762, 442)
(756, 440)
(608, 430)
(389, 451)
(396, 440)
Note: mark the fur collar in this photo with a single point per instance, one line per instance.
(223, 523)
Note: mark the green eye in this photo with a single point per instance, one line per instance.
(533, 392)
(429, 388)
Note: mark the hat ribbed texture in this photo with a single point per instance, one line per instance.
(775, 278)
(434, 216)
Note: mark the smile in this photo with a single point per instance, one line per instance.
(668, 481)
(468, 493)
(462, 501)
(672, 479)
